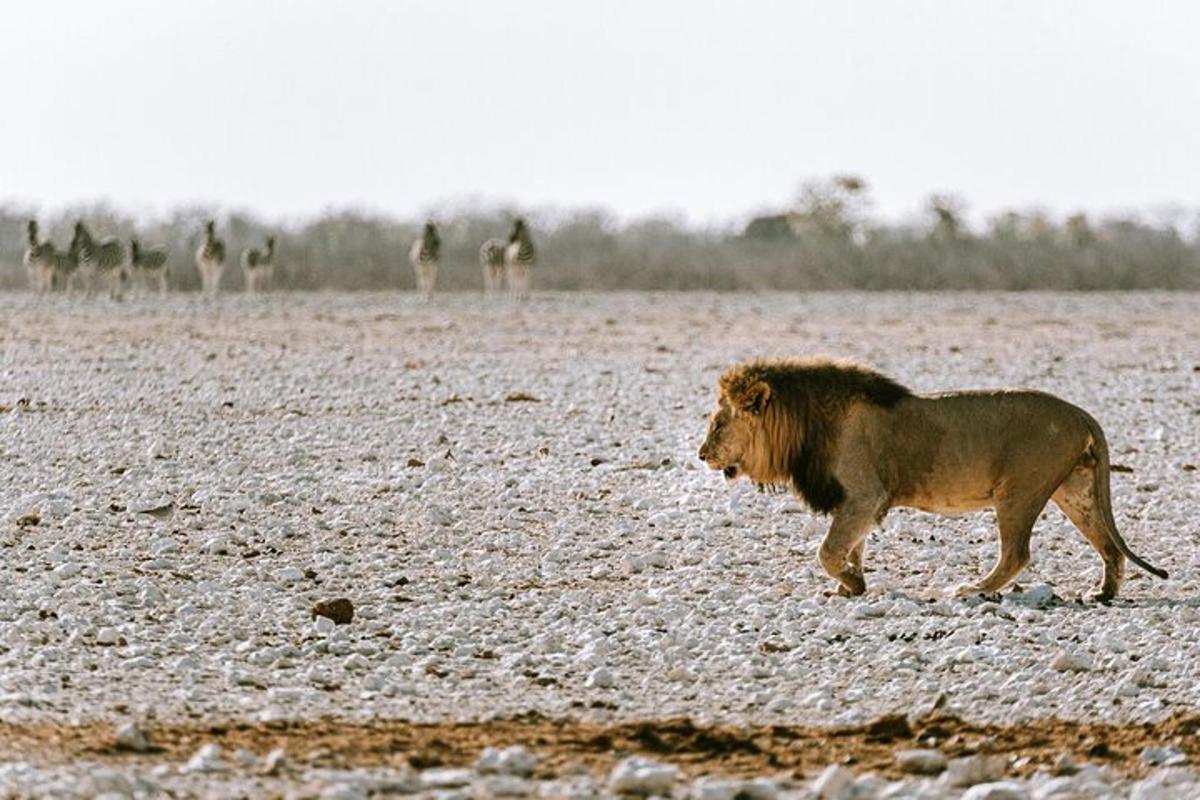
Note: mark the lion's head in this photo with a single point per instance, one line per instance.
(739, 440)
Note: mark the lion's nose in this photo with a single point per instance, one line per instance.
(704, 452)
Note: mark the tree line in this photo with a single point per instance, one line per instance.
(826, 240)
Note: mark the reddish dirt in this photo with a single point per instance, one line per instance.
(563, 744)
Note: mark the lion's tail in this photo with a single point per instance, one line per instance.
(1103, 499)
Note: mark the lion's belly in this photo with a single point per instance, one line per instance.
(950, 486)
(948, 505)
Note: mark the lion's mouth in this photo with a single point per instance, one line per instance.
(730, 472)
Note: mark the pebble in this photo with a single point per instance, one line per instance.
(131, 737)
(643, 776)
(1003, 790)
(207, 759)
(834, 783)
(1065, 661)
(970, 770)
(447, 778)
(921, 762)
(340, 610)
(1163, 757)
(516, 760)
(600, 678)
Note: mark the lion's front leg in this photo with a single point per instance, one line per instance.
(840, 553)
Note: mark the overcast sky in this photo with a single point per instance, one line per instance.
(710, 109)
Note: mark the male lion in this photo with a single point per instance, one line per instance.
(854, 443)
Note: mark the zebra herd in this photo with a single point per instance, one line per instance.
(502, 261)
(96, 262)
(103, 261)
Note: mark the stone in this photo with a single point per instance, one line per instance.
(1163, 757)
(1064, 764)
(343, 791)
(340, 610)
(1002, 790)
(600, 678)
(921, 762)
(834, 783)
(643, 777)
(1039, 596)
(1071, 662)
(447, 778)
(206, 759)
(515, 760)
(131, 737)
(105, 780)
(970, 770)
(274, 761)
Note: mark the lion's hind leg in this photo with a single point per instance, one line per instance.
(1077, 500)
(1015, 517)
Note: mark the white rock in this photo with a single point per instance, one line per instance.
(290, 575)
(104, 780)
(921, 762)
(1004, 790)
(344, 791)
(716, 789)
(970, 770)
(516, 760)
(1038, 596)
(206, 759)
(1064, 764)
(834, 783)
(1065, 661)
(447, 778)
(107, 636)
(64, 572)
(600, 678)
(274, 761)
(132, 737)
(643, 776)
(1163, 757)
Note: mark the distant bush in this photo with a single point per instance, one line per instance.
(827, 241)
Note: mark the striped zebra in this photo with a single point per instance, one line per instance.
(259, 266)
(39, 261)
(210, 260)
(100, 259)
(424, 257)
(491, 260)
(518, 259)
(66, 268)
(149, 264)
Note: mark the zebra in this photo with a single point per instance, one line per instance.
(66, 268)
(151, 263)
(210, 260)
(259, 266)
(424, 257)
(39, 261)
(518, 259)
(491, 259)
(102, 259)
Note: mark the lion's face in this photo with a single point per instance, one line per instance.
(732, 430)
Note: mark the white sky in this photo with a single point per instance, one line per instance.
(712, 109)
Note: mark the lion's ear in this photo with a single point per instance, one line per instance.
(755, 398)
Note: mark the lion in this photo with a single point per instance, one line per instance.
(853, 443)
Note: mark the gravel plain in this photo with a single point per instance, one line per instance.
(509, 496)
